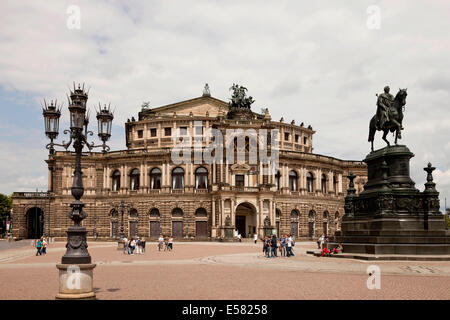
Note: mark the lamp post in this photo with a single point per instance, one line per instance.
(95, 226)
(76, 269)
(123, 206)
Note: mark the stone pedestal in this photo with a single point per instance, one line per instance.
(76, 281)
(391, 216)
(229, 232)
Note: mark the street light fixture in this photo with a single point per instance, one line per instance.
(77, 253)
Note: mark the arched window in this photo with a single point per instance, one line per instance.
(116, 180)
(114, 213)
(133, 213)
(309, 182)
(325, 215)
(177, 212)
(293, 180)
(277, 213)
(134, 179)
(201, 178)
(155, 223)
(114, 224)
(277, 180)
(133, 224)
(335, 185)
(154, 213)
(294, 214)
(201, 212)
(155, 178)
(178, 178)
(311, 225)
(324, 184)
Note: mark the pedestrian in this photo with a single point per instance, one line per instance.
(264, 241)
(293, 245)
(321, 240)
(166, 243)
(143, 245)
(269, 249)
(160, 242)
(273, 244)
(325, 252)
(239, 237)
(288, 246)
(44, 245)
(170, 244)
(38, 247)
(255, 238)
(283, 246)
(138, 245)
(132, 246)
(125, 245)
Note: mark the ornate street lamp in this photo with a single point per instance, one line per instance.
(77, 258)
(51, 114)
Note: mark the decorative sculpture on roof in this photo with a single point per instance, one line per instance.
(239, 108)
(145, 105)
(206, 92)
(239, 98)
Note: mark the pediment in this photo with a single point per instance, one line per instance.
(201, 106)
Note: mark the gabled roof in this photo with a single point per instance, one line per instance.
(198, 106)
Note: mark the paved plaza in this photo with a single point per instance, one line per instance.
(211, 270)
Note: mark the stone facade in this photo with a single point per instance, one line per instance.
(222, 197)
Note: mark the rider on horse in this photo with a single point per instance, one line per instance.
(383, 103)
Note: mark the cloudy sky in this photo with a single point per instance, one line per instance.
(318, 62)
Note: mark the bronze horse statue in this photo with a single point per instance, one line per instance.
(394, 123)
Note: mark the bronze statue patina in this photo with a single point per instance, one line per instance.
(389, 115)
(383, 102)
(239, 98)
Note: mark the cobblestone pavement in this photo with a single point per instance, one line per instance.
(5, 244)
(210, 270)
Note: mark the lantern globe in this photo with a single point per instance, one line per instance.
(104, 119)
(51, 119)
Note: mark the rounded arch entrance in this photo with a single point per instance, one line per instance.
(35, 223)
(245, 219)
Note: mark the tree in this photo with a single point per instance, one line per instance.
(447, 219)
(5, 206)
(5, 210)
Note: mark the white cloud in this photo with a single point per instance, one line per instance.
(312, 62)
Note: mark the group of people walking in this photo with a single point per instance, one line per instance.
(137, 246)
(285, 244)
(133, 246)
(165, 244)
(41, 246)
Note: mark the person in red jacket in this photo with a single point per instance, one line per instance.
(325, 251)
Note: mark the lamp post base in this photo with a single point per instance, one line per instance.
(76, 281)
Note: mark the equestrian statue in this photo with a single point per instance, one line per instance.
(389, 115)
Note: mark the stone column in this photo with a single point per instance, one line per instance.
(222, 218)
(141, 178)
(330, 182)
(213, 214)
(232, 211)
